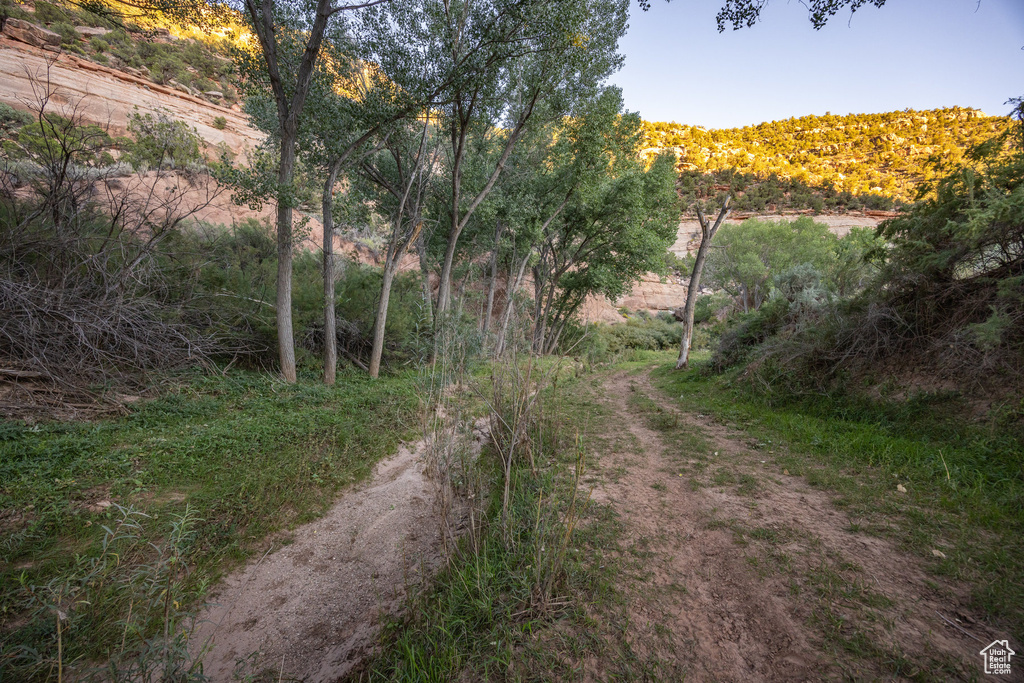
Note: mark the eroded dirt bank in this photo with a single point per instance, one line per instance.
(310, 610)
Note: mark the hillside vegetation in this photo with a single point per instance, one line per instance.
(177, 398)
(889, 154)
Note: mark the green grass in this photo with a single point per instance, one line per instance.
(481, 620)
(964, 479)
(248, 455)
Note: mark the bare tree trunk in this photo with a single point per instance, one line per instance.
(285, 337)
(510, 293)
(707, 234)
(382, 315)
(444, 288)
(428, 296)
(330, 324)
(494, 279)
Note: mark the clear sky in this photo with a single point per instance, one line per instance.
(918, 54)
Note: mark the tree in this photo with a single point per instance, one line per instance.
(707, 234)
(740, 13)
(610, 218)
(290, 46)
(349, 104)
(751, 253)
(514, 59)
(403, 170)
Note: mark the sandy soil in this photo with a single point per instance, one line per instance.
(738, 609)
(310, 610)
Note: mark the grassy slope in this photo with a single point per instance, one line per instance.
(249, 455)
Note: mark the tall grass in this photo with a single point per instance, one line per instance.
(511, 573)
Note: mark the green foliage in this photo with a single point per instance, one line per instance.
(11, 120)
(220, 123)
(162, 142)
(619, 217)
(238, 457)
(198, 65)
(751, 253)
(710, 305)
(68, 35)
(48, 13)
(12, 10)
(858, 161)
(939, 294)
(601, 342)
(235, 272)
(48, 140)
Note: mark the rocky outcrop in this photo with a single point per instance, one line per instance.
(92, 31)
(29, 33)
(107, 97)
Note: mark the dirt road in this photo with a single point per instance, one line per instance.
(753, 575)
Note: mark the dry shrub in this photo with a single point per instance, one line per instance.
(90, 289)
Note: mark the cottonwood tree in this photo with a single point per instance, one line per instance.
(523, 201)
(619, 217)
(751, 253)
(349, 103)
(707, 233)
(512, 56)
(290, 41)
(403, 169)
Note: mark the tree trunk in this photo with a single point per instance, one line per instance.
(330, 324)
(285, 338)
(707, 234)
(510, 293)
(390, 267)
(444, 289)
(494, 281)
(428, 296)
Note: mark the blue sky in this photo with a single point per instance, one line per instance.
(919, 54)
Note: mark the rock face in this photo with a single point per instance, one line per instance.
(92, 31)
(107, 97)
(29, 33)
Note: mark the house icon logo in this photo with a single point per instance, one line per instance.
(997, 657)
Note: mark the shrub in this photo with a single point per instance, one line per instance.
(161, 141)
(68, 34)
(11, 119)
(220, 123)
(49, 13)
(709, 305)
(99, 45)
(641, 332)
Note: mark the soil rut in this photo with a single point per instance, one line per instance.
(759, 577)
